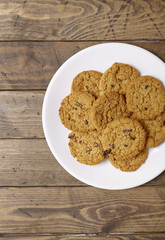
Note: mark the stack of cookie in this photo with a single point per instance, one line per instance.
(117, 114)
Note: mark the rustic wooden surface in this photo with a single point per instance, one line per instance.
(38, 198)
(82, 20)
(81, 210)
(31, 65)
(30, 163)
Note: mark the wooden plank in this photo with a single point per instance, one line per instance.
(157, 236)
(31, 65)
(81, 210)
(20, 114)
(30, 163)
(81, 20)
(26, 164)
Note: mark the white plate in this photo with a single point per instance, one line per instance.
(99, 57)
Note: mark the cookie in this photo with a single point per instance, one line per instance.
(107, 108)
(86, 147)
(131, 164)
(75, 111)
(87, 81)
(146, 98)
(155, 131)
(123, 138)
(117, 78)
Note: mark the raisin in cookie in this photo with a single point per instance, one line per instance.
(87, 81)
(155, 130)
(75, 112)
(117, 78)
(124, 138)
(106, 108)
(86, 147)
(130, 164)
(146, 97)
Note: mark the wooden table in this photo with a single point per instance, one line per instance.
(38, 198)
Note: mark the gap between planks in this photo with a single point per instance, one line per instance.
(99, 234)
(80, 186)
(83, 41)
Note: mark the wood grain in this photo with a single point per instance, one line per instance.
(29, 162)
(157, 236)
(82, 20)
(31, 65)
(81, 210)
(20, 114)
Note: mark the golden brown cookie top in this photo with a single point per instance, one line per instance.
(86, 147)
(146, 97)
(87, 81)
(123, 138)
(117, 78)
(130, 164)
(108, 107)
(75, 111)
(155, 130)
